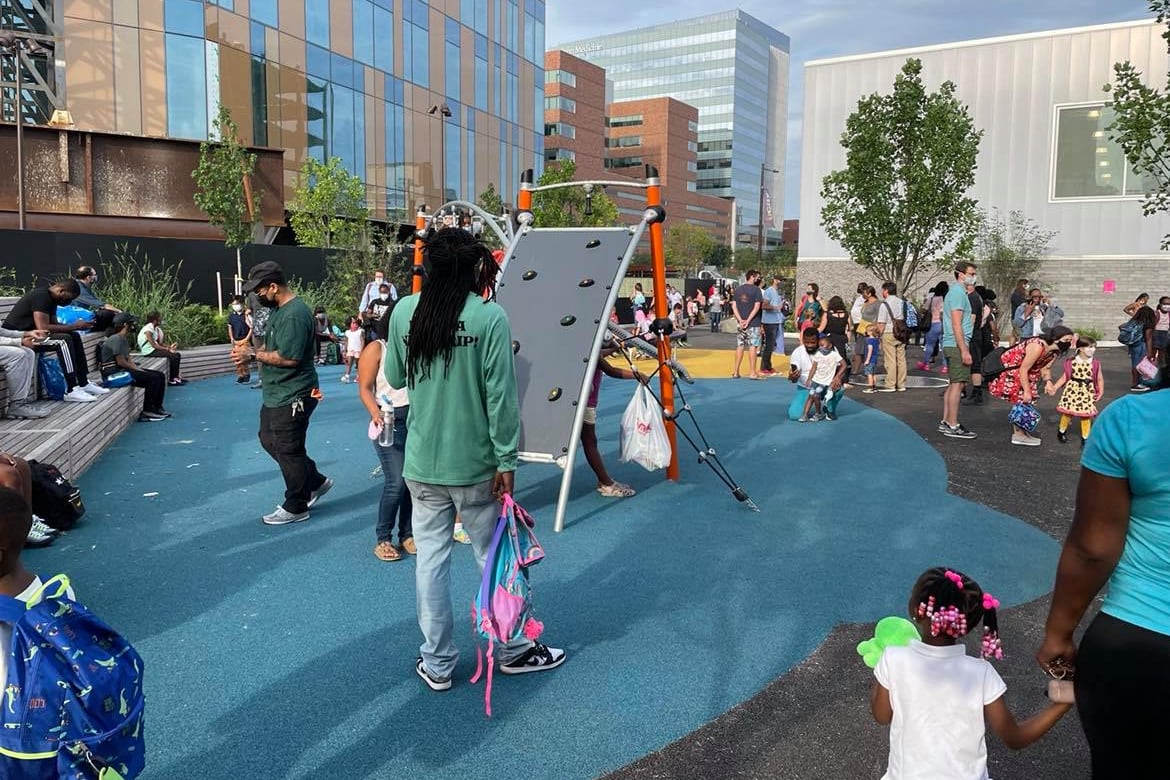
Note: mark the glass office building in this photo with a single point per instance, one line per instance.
(734, 69)
(353, 79)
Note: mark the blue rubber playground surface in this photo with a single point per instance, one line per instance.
(288, 652)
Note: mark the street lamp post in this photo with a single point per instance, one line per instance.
(12, 44)
(443, 111)
(760, 228)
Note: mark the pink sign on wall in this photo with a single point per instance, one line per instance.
(1109, 286)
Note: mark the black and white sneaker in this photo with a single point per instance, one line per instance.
(943, 427)
(316, 495)
(151, 417)
(959, 432)
(434, 683)
(539, 658)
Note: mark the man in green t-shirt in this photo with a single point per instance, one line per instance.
(289, 391)
(453, 350)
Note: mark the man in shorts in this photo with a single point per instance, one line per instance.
(747, 307)
(958, 324)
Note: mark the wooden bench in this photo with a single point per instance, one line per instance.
(205, 362)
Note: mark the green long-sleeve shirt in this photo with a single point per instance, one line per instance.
(464, 426)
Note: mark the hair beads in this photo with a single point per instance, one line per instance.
(954, 604)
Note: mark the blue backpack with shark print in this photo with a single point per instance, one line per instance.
(72, 705)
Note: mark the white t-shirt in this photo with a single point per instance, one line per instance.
(938, 695)
(896, 306)
(388, 396)
(826, 366)
(802, 360)
(353, 341)
(6, 628)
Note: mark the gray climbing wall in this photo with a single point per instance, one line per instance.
(554, 288)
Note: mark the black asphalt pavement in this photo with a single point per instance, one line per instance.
(813, 723)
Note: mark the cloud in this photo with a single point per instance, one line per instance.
(833, 28)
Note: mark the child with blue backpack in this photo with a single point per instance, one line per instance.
(71, 687)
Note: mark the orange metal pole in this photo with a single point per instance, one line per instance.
(420, 224)
(661, 312)
(524, 196)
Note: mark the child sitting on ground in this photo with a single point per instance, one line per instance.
(824, 370)
(873, 347)
(936, 699)
(1083, 386)
(355, 342)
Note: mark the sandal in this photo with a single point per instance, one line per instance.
(408, 545)
(616, 490)
(385, 551)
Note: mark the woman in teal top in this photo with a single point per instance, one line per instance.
(1120, 535)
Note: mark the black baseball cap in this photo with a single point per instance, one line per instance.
(268, 272)
(123, 317)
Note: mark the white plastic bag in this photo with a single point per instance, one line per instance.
(644, 439)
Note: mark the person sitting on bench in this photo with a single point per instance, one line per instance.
(115, 356)
(151, 344)
(37, 310)
(19, 363)
(103, 313)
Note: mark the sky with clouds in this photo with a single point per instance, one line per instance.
(833, 28)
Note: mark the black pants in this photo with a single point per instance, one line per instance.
(155, 385)
(173, 358)
(71, 352)
(770, 331)
(282, 435)
(1122, 685)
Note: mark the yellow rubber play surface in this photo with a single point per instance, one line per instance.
(708, 363)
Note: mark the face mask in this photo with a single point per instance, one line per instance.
(1088, 351)
(321, 317)
(825, 350)
(1165, 307)
(93, 281)
(379, 279)
(384, 297)
(809, 292)
(268, 303)
(237, 308)
(970, 279)
(1062, 346)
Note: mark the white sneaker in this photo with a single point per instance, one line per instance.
(79, 396)
(93, 389)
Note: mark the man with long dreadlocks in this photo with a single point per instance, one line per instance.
(452, 347)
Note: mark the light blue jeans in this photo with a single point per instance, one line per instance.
(933, 339)
(435, 507)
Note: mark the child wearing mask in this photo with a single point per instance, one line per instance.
(1083, 386)
(826, 366)
(240, 336)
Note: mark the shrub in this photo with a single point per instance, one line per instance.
(195, 325)
(1090, 333)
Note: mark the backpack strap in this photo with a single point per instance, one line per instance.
(55, 588)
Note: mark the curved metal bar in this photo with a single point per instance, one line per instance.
(488, 219)
(634, 185)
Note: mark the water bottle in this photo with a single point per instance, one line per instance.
(386, 435)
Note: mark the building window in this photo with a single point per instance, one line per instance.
(622, 162)
(692, 127)
(415, 57)
(710, 165)
(714, 184)
(1088, 164)
(715, 146)
(184, 17)
(186, 87)
(363, 31)
(383, 39)
(265, 11)
(554, 155)
(692, 146)
(624, 121)
(560, 77)
(259, 102)
(317, 22)
(561, 129)
(623, 142)
(560, 103)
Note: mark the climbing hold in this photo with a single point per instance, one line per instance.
(568, 320)
(554, 394)
(593, 244)
(585, 283)
(515, 347)
(529, 276)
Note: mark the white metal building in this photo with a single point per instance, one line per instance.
(1039, 99)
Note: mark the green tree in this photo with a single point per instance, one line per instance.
(719, 255)
(223, 182)
(1142, 126)
(1009, 249)
(329, 211)
(900, 205)
(490, 201)
(565, 207)
(685, 245)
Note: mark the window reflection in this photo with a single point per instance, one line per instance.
(186, 87)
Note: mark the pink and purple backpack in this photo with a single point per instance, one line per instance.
(502, 609)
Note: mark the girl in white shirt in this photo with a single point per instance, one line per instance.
(936, 699)
(355, 341)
